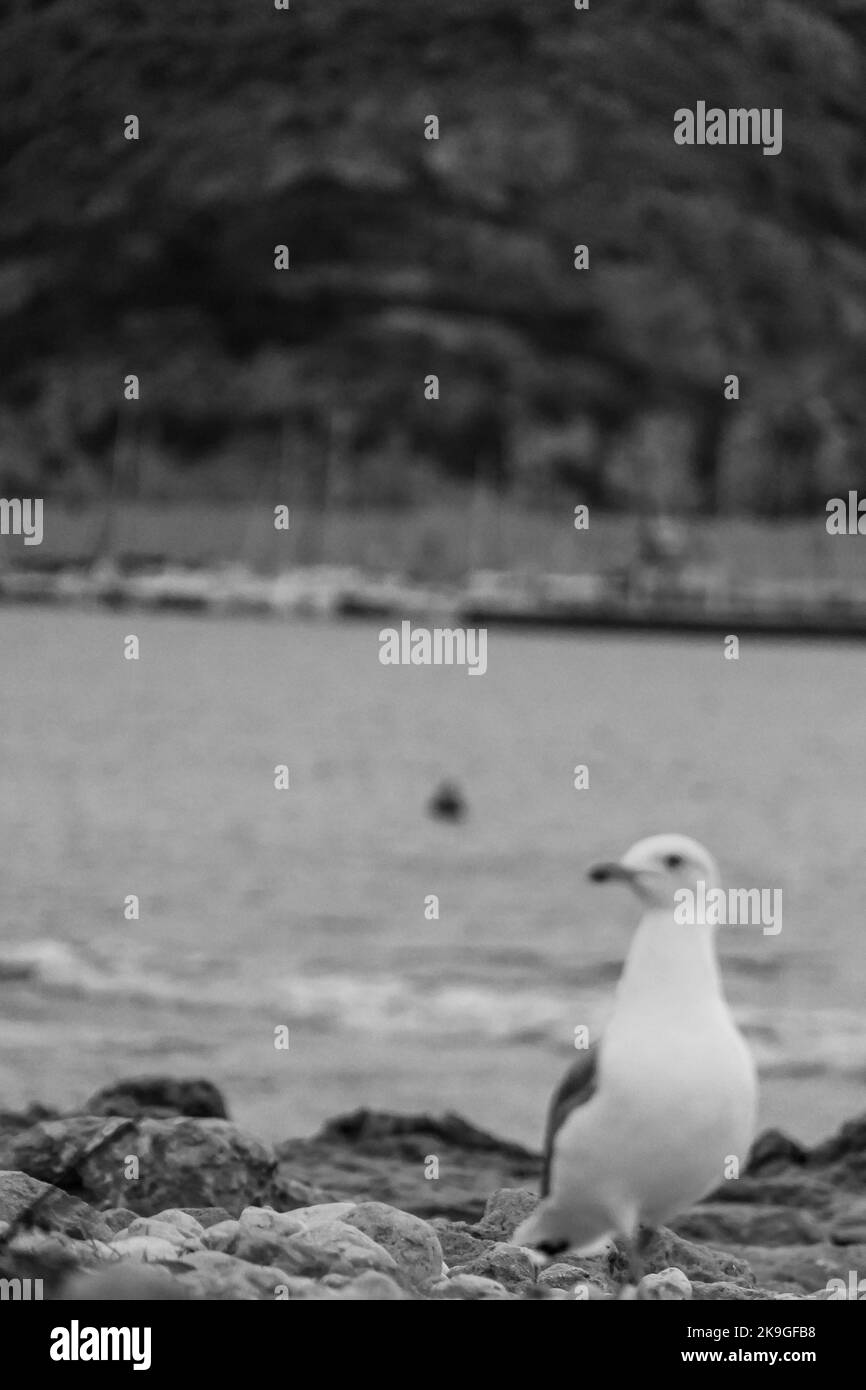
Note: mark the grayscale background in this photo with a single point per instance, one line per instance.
(306, 387)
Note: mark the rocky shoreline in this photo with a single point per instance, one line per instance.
(149, 1191)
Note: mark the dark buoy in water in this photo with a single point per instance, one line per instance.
(447, 802)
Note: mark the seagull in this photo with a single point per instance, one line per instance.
(649, 1119)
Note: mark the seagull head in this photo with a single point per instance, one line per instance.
(659, 866)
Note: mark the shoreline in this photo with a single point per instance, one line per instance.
(152, 1185)
(593, 602)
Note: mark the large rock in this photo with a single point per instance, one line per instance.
(412, 1242)
(843, 1157)
(53, 1150)
(24, 1199)
(347, 1250)
(159, 1097)
(181, 1220)
(223, 1236)
(180, 1162)
(377, 1156)
(459, 1241)
(118, 1219)
(503, 1212)
(262, 1248)
(773, 1152)
(507, 1265)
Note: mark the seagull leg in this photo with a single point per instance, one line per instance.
(626, 1262)
(634, 1263)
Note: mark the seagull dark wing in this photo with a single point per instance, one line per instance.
(574, 1090)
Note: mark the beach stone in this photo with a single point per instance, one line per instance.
(49, 1254)
(663, 1249)
(265, 1219)
(160, 1097)
(124, 1282)
(223, 1236)
(412, 1242)
(214, 1275)
(270, 1248)
(160, 1230)
(506, 1264)
(748, 1224)
(503, 1212)
(57, 1210)
(667, 1285)
(182, 1162)
(207, 1216)
(458, 1241)
(118, 1218)
(150, 1248)
(346, 1249)
(51, 1149)
(181, 1220)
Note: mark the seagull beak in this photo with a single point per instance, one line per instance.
(612, 870)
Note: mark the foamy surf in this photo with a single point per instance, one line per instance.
(786, 1042)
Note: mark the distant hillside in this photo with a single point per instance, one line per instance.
(412, 256)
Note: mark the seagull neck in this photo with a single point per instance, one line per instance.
(670, 959)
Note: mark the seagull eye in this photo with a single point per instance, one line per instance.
(674, 861)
